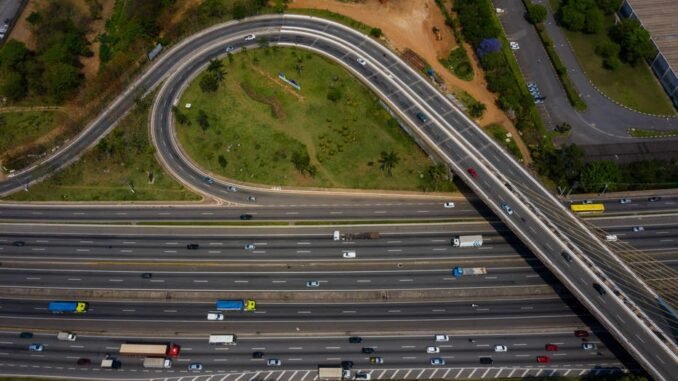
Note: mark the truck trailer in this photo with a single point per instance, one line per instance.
(157, 362)
(339, 236)
(461, 271)
(333, 372)
(236, 305)
(467, 241)
(59, 307)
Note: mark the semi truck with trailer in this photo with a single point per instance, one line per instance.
(467, 241)
(59, 307)
(150, 349)
(111, 363)
(236, 305)
(461, 271)
(339, 236)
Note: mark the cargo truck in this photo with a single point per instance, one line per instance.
(66, 336)
(157, 362)
(467, 241)
(148, 349)
(59, 307)
(111, 363)
(227, 339)
(338, 236)
(461, 271)
(236, 305)
(333, 372)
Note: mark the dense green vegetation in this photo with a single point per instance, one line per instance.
(18, 128)
(122, 167)
(481, 28)
(332, 133)
(613, 54)
(459, 63)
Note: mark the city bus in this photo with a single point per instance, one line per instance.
(587, 208)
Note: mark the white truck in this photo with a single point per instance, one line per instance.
(467, 241)
(225, 339)
(157, 362)
(110, 363)
(66, 336)
(333, 372)
(339, 236)
(461, 271)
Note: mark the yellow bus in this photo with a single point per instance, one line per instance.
(587, 208)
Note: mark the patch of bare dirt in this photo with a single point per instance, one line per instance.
(178, 11)
(21, 31)
(409, 24)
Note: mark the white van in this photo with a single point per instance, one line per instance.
(215, 316)
(348, 254)
(225, 339)
(336, 236)
(441, 338)
(611, 238)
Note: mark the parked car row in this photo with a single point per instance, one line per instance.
(536, 94)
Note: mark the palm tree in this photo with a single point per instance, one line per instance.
(388, 161)
(217, 67)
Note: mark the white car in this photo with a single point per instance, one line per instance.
(449, 205)
(348, 254)
(312, 284)
(514, 45)
(441, 338)
(273, 362)
(507, 208)
(500, 348)
(250, 246)
(432, 350)
(250, 37)
(361, 61)
(625, 201)
(215, 316)
(638, 229)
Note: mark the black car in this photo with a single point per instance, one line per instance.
(654, 199)
(355, 340)
(346, 364)
(257, 355)
(245, 216)
(486, 360)
(84, 361)
(192, 246)
(566, 256)
(368, 350)
(599, 289)
(147, 275)
(26, 335)
(421, 116)
(19, 243)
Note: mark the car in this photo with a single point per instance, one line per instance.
(312, 284)
(26, 335)
(231, 189)
(551, 347)
(195, 366)
(36, 348)
(348, 254)
(209, 180)
(625, 201)
(192, 246)
(368, 350)
(588, 346)
(638, 229)
(19, 243)
(437, 361)
(507, 208)
(611, 238)
(251, 198)
(599, 288)
(257, 355)
(273, 362)
(361, 61)
(83, 361)
(421, 116)
(346, 364)
(566, 256)
(472, 172)
(500, 348)
(543, 359)
(245, 216)
(654, 199)
(250, 246)
(514, 45)
(147, 275)
(432, 350)
(581, 333)
(229, 49)
(586, 202)
(449, 205)
(486, 360)
(215, 316)
(250, 37)
(355, 340)
(441, 338)
(362, 376)
(376, 360)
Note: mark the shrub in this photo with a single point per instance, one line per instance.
(536, 13)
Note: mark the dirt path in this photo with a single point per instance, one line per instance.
(408, 24)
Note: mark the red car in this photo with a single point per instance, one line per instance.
(543, 359)
(472, 172)
(551, 347)
(581, 333)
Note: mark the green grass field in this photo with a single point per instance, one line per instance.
(257, 122)
(17, 128)
(105, 172)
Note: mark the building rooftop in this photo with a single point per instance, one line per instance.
(660, 18)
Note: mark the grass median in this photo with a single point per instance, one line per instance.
(331, 133)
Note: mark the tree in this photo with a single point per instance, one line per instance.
(181, 117)
(202, 120)
(634, 41)
(301, 161)
(571, 17)
(222, 161)
(376, 32)
(34, 18)
(607, 49)
(433, 178)
(388, 161)
(476, 109)
(13, 86)
(334, 94)
(215, 65)
(597, 174)
(61, 80)
(536, 13)
(13, 54)
(609, 6)
(209, 82)
(594, 21)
